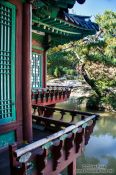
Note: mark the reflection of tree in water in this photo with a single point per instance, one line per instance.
(73, 103)
(106, 125)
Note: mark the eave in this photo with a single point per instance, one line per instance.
(62, 31)
(57, 3)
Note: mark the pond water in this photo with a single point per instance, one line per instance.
(99, 156)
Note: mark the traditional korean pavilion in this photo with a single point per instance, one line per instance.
(28, 28)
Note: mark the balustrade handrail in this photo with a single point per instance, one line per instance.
(39, 143)
(48, 88)
(59, 86)
(66, 110)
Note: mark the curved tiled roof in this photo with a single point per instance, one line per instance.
(71, 28)
(82, 21)
(62, 27)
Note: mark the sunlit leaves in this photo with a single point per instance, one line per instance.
(99, 53)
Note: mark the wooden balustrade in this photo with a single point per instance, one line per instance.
(54, 153)
(50, 95)
(45, 114)
(49, 123)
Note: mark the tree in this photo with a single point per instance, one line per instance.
(61, 62)
(96, 58)
(99, 54)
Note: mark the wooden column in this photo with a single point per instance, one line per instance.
(72, 168)
(26, 73)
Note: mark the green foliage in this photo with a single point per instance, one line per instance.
(109, 101)
(56, 72)
(107, 22)
(112, 101)
(61, 63)
(94, 103)
(98, 53)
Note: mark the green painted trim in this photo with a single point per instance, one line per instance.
(50, 155)
(12, 82)
(32, 168)
(68, 1)
(7, 138)
(41, 69)
(37, 37)
(46, 21)
(13, 64)
(60, 31)
(37, 48)
(75, 130)
(47, 145)
(53, 6)
(84, 125)
(63, 137)
(23, 1)
(55, 29)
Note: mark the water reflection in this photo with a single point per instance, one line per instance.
(104, 146)
(101, 148)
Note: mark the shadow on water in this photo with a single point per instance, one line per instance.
(99, 156)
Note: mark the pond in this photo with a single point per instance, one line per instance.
(99, 156)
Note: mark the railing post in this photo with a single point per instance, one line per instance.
(41, 160)
(69, 142)
(72, 168)
(12, 148)
(78, 139)
(56, 153)
(39, 98)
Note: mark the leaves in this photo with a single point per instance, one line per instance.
(98, 52)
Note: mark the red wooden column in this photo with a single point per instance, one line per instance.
(26, 73)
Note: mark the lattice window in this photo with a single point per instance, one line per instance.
(36, 67)
(7, 62)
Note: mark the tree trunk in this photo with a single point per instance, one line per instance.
(86, 76)
(90, 81)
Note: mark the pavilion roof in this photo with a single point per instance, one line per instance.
(59, 3)
(64, 27)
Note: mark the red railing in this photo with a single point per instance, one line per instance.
(50, 95)
(52, 154)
